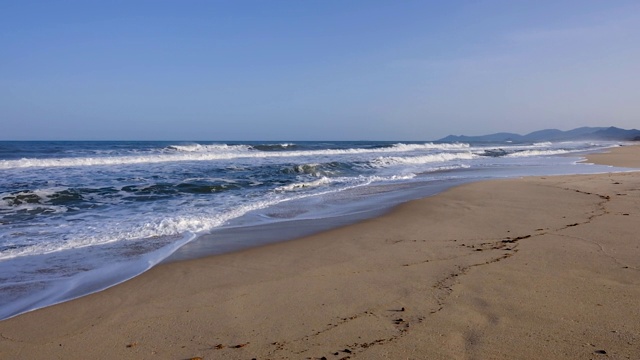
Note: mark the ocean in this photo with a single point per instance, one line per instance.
(78, 217)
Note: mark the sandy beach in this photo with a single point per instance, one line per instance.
(533, 268)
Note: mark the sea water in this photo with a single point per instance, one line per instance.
(77, 217)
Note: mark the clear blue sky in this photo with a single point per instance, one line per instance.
(314, 70)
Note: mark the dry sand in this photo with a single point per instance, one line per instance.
(534, 268)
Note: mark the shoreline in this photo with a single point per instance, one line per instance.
(264, 234)
(292, 219)
(238, 238)
(457, 262)
(622, 156)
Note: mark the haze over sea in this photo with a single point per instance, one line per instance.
(81, 216)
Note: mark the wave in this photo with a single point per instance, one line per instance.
(304, 185)
(333, 168)
(56, 200)
(419, 160)
(197, 152)
(446, 168)
(121, 160)
(29, 203)
(212, 148)
(148, 227)
(431, 146)
(274, 147)
(345, 183)
(527, 153)
(494, 152)
(227, 147)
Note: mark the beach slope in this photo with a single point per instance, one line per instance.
(536, 268)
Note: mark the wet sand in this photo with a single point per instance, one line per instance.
(535, 268)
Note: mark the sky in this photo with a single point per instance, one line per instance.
(314, 70)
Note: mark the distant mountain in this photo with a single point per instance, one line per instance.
(559, 135)
(583, 133)
(499, 137)
(614, 133)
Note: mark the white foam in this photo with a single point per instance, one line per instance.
(419, 160)
(431, 146)
(452, 167)
(302, 185)
(376, 178)
(528, 153)
(81, 237)
(143, 226)
(214, 148)
(199, 152)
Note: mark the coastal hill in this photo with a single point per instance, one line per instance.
(584, 133)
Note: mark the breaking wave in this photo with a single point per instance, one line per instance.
(198, 152)
(418, 160)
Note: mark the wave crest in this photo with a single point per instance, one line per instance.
(418, 160)
(527, 153)
(198, 148)
(431, 146)
(304, 185)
